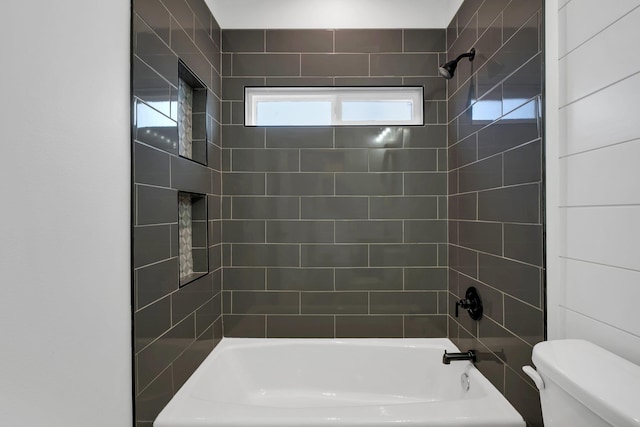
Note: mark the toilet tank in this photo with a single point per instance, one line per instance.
(586, 385)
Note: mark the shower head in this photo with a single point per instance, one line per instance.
(448, 70)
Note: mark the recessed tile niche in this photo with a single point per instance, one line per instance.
(192, 236)
(192, 116)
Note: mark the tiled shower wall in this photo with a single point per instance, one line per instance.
(334, 232)
(496, 189)
(174, 328)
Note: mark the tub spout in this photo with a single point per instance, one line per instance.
(448, 357)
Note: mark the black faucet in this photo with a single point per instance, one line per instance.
(448, 357)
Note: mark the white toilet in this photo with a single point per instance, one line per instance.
(584, 385)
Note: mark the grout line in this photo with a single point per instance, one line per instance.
(598, 33)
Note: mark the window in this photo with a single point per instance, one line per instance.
(329, 106)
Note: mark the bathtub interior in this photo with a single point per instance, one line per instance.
(300, 374)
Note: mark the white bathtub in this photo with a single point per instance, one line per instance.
(346, 382)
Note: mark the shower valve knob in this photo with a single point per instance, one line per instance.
(471, 303)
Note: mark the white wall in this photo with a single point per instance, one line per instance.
(65, 327)
(594, 161)
(285, 14)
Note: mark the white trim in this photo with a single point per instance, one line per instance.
(336, 96)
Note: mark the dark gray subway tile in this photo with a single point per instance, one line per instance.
(517, 13)
(463, 152)
(156, 281)
(334, 161)
(525, 321)
(156, 205)
(299, 41)
(509, 132)
(300, 326)
(429, 136)
(300, 184)
(154, 51)
(463, 260)
(191, 358)
(273, 64)
(156, 16)
(154, 398)
(244, 326)
(397, 255)
(492, 299)
(524, 397)
(233, 87)
(151, 166)
(429, 40)
(425, 279)
(403, 160)
(150, 87)
(272, 160)
(244, 279)
(247, 184)
(299, 81)
(158, 356)
(242, 137)
(368, 231)
(430, 326)
(524, 243)
(514, 278)
(299, 231)
(425, 184)
(481, 236)
(334, 302)
(155, 129)
(203, 16)
(334, 207)
(227, 64)
(251, 302)
(238, 231)
(368, 81)
(368, 41)
(488, 12)
(187, 175)
(464, 206)
(151, 244)
(368, 137)
(373, 184)
(343, 64)
(425, 231)
(234, 41)
(210, 50)
(481, 175)
(523, 164)
(369, 326)
(265, 208)
(504, 344)
(404, 302)
(488, 43)
(334, 256)
(512, 204)
(467, 11)
(300, 279)
(283, 137)
(248, 255)
(208, 313)
(524, 84)
(404, 64)
(182, 13)
(190, 297)
(369, 279)
(435, 88)
(151, 322)
(404, 207)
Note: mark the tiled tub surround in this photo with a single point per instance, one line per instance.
(495, 189)
(174, 327)
(334, 232)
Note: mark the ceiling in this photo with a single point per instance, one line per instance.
(302, 14)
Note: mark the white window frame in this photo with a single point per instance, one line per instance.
(337, 95)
